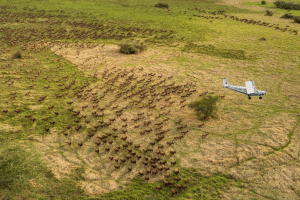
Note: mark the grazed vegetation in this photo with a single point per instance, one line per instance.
(85, 116)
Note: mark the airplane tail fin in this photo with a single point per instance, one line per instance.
(225, 82)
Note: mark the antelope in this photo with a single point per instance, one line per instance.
(167, 175)
(182, 106)
(204, 136)
(170, 143)
(112, 119)
(182, 101)
(159, 123)
(184, 132)
(200, 125)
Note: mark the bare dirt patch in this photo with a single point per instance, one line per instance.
(36, 107)
(88, 59)
(8, 128)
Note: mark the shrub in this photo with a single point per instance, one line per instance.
(297, 19)
(129, 47)
(205, 107)
(263, 2)
(162, 5)
(262, 39)
(269, 13)
(17, 55)
(287, 16)
(278, 4)
(284, 5)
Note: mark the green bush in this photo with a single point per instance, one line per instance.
(263, 2)
(290, 16)
(17, 54)
(205, 107)
(284, 5)
(287, 16)
(162, 5)
(297, 19)
(269, 13)
(129, 47)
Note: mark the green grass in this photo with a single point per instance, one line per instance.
(218, 52)
(18, 167)
(13, 118)
(199, 187)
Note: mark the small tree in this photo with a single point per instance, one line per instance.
(297, 19)
(269, 13)
(263, 2)
(287, 16)
(205, 107)
(129, 47)
(17, 54)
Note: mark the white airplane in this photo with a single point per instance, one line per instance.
(249, 88)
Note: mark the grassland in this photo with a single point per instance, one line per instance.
(72, 105)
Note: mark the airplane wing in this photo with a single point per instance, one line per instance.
(259, 92)
(235, 88)
(250, 87)
(239, 89)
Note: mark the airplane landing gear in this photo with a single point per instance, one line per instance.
(260, 97)
(249, 97)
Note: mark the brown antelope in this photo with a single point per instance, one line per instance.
(204, 136)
